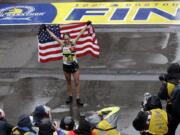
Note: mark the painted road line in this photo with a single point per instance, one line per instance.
(95, 77)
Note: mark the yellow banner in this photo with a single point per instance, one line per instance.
(118, 12)
(97, 12)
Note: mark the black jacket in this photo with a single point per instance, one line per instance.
(173, 101)
(163, 92)
(45, 127)
(5, 127)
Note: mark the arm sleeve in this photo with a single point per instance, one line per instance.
(9, 128)
(163, 94)
(139, 123)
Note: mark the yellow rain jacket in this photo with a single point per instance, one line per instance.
(158, 122)
(108, 125)
(16, 131)
(170, 89)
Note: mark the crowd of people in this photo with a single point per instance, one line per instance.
(41, 123)
(152, 119)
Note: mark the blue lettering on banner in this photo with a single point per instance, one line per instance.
(78, 13)
(120, 14)
(29, 13)
(144, 13)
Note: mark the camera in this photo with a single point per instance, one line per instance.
(163, 77)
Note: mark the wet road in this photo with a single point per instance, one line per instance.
(128, 67)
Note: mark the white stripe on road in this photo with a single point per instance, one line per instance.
(96, 77)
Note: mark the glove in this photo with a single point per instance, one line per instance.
(43, 27)
(89, 22)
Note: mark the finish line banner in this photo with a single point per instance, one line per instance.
(98, 12)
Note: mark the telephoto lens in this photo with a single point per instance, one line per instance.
(163, 77)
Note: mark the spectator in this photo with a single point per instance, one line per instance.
(5, 127)
(24, 126)
(83, 129)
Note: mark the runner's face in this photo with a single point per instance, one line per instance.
(66, 38)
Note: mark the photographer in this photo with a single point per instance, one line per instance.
(5, 126)
(152, 120)
(170, 91)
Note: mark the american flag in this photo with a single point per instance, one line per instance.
(50, 50)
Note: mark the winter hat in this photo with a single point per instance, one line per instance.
(153, 102)
(42, 111)
(84, 127)
(173, 71)
(25, 121)
(2, 114)
(67, 123)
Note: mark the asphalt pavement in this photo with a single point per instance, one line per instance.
(128, 67)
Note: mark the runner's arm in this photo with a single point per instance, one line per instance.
(82, 31)
(54, 37)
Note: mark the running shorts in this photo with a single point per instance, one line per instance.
(71, 68)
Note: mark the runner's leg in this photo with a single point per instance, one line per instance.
(69, 87)
(76, 77)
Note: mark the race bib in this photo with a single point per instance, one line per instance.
(66, 50)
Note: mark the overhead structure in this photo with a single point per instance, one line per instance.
(115, 16)
(99, 12)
